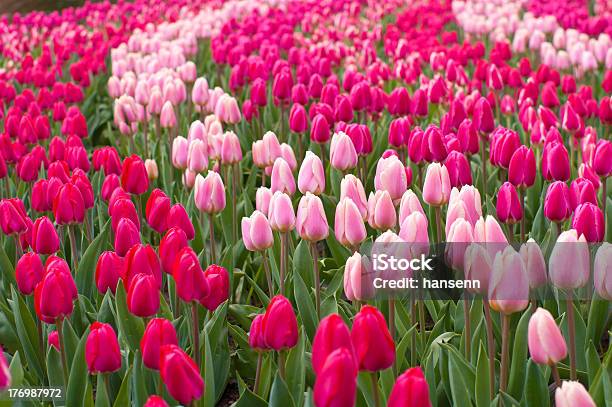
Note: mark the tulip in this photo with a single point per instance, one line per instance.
(53, 340)
(509, 208)
(44, 237)
(319, 129)
(218, 283)
(409, 204)
(573, 393)
(28, 272)
(311, 222)
(601, 158)
(282, 177)
(108, 271)
(460, 235)
(280, 213)
(141, 259)
(170, 245)
(209, 193)
(546, 343)
(509, 286)
(68, 205)
(374, 346)
(180, 374)
(178, 217)
(156, 401)
(582, 191)
(159, 332)
(311, 177)
(588, 221)
(410, 390)
(483, 116)
(167, 118)
(534, 263)
(557, 206)
(111, 182)
(256, 232)
(54, 295)
(436, 188)
(197, 156)
(332, 334)
(349, 228)
(188, 276)
(358, 274)
(143, 296)
(5, 373)
(569, 261)
(477, 265)
(336, 384)
(134, 178)
(391, 177)
(157, 210)
(351, 187)
(279, 325)
(298, 119)
(343, 155)
(458, 168)
(263, 196)
(601, 274)
(522, 168)
(122, 208)
(555, 162)
(102, 352)
(381, 212)
(180, 152)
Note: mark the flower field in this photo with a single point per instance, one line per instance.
(290, 203)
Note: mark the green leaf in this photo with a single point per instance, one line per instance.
(140, 393)
(516, 381)
(280, 395)
(16, 369)
(296, 369)
(87, 265)
(102, 397)
(305, 305)
(303, 263)
(250, 399)
(482, 391)
(28, 335)
(459, 387)
(209, 376)
(123, 397)
(78, 380)
(131, 328)
(596, 322)
(536, 389)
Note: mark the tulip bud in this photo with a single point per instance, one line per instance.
(509, 209)
(546, 343)
(152, 171)
(458, 167)
(381, 212)
(582, 191)
(141, 259)
(522, 168)
(167, 118)
(336, 383)
(311, 177)
(557, 206)
(279, 324)
(262, 200)
(28, 272)
(351, 187)
(102, 352)
(143, 296)
(332, 333)
(178, 217)
(509, 284)
(256, 232)
(298, 119)
(5, 373)
(68, 205)
(319, 129)
(209, 193)
(188, 276)
(349, 228)
(555, 162)
(374, 346)
(436, 187)
(477, 265)
(280, 213)
(44, 237)
(342, 152)
(602, 158)
(157, 209)
(231, 151)
(572, 394)
(602, 274)
(123, 209)
(159, 332)
(111, 182)
(588, 221)
(391, 177)
(282, 177)
(134, 178)
(156, 401)
(108, 271)
(358, 275)
(534, 263)
(311, 222)
(180, 374)
(180, 152)
(217, 279)
(483, 116)
(256, 334)
(54, 295)
(410, 390)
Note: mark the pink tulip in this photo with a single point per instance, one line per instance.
(573, 394)
(358, 276)
(197, 157)
(391, 177)
(311, 222)
(509, 284)
(231, 152)
(534, 263)
(602, 273)
(311, 177)
(256, 232)
(343, 156)
(477, 266)
(282, 177)
(180, 152)
(569, 264)
(381, 212)
(546, 343)
(436, 188)
(409, 204)
(262, 199)
(227, 109)
(199, 93)
(349, 228)
(280, 213)
(470, 196)
(413, 231)
(460, 235)
(209, 193)
(351, 187)
(167, 117)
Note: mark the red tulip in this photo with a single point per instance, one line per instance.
(410, 390)
(582, 191)
(111, 182)
(180, 374)
(509, 209)
(336, 383)
(28, 273)
(218, 283)
(555, 162)
(374, 347)
(602, 158)
(177, 217)
(12, 217)
(123, 208)
(134, 178)
(159, 332)
(156, 401)
(108, 271)
(483, 116)
(522, 168)
(256, 334)
(102, 352)
(44, 237)
(170, 245)
(68, 205)
(557, 206)
(279, 324)
(141, 259)
(332, 334)
(588, 220)
(126, 236)
(157, 210)
(54, 295)
(189, 277)
(143, 296)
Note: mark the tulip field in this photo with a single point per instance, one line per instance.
(321, 203)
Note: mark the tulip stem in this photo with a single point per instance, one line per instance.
(18, 248)
(490, 347)
(59, 323)
(73, 249)
(231, 173)
(421, 306)
(145, 134)
(196, 332)
(106, 378)
(281, 364)
(483, 159)
(413, 341)
(522, 197)
(392, 318)
(375, 389)
(258, 372)
(211, 224)
(468, 327)
(315, 260)
(437, 210)
(604, 202)
(268, 274)
(283, 262)
(503, 383)
(572, 334)
(555, 373)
